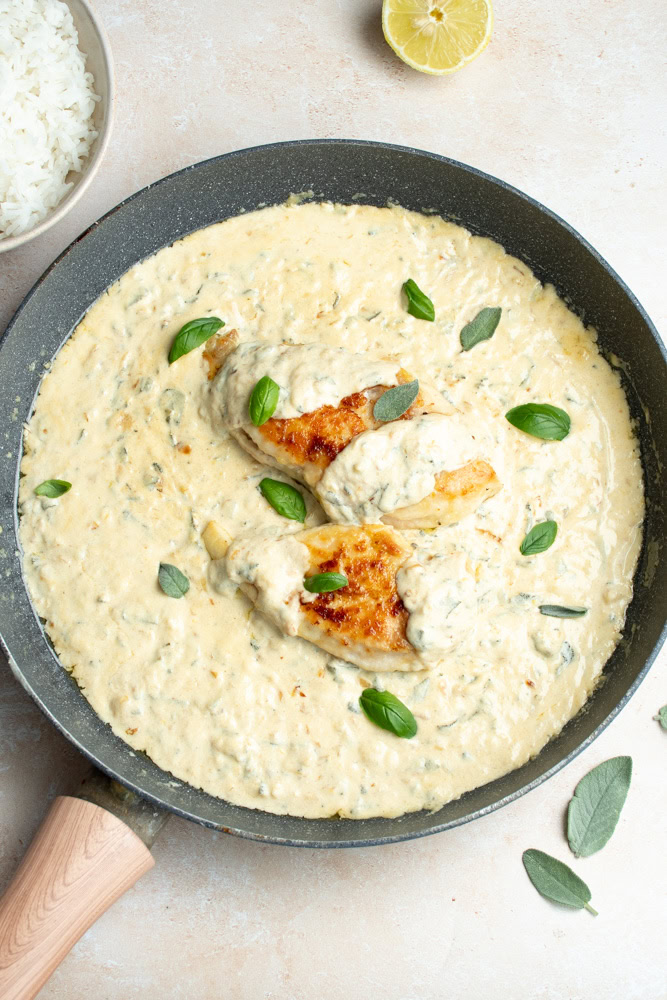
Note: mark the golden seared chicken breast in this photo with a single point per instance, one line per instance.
(364, 621)
(422, 469)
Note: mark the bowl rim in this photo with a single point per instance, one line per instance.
(291, 839)
(101, 142)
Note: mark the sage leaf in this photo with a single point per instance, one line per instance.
(540, 538)
(284, 499)
(419, 305)
(388, 712)
(192, 335)
(53, 488)
(542, 420)
(596, 805)
(482, 327)
(661, 717)
(555, 881)
(173, 582)
(393, 403)
(560, 611)
(263, 400)
(324, 583)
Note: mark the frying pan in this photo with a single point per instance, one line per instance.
(346, 171)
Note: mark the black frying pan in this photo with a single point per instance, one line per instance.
(341, 171)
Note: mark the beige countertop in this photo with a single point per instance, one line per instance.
(565, 104)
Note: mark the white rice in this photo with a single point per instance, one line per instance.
(46, 106)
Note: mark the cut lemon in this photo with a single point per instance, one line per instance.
(437, 36)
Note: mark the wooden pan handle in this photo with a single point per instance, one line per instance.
(81, 860)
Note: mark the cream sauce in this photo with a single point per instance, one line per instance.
(275, 567)
(206, 685)
(393, 466)
(314, 376)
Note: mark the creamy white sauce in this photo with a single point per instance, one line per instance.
(206, 685)
(441, 592)
(276, 568)
(313, 376)
(393, 466)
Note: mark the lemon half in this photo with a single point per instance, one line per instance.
(437, 36)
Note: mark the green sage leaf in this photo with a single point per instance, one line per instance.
(173, 582)
(192, 335)
(560, 611)
(540, 538)
(482, 327)
(542, 420)
(53, 488)
(284, 499)
(393, 403)
(419, 305)
(555, 881)
(661, 717)
(323, 583)
(263, 400)
(387, 711)
(596, 805)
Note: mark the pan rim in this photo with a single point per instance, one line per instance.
(409, 834)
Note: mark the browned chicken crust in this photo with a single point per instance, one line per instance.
(316, 438)
(368, 610)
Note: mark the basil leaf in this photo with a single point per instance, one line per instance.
(393, 403)
(173, 582)
(419, 305)
(560, 611)
(482, 327)
(53, 488)
(263, 400)
(192, 335)
(555, 881)
(323, 583)
(388, 712)
(542, 420)
(596, 805)
(661, 717)
(540, 538)
(284, 499)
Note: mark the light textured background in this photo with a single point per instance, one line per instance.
(566, 104)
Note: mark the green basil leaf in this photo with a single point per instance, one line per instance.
(263, 400)
(542, 420)
(540, 538)
(284, 499)
(173, 582)
(192, 335)
(596, 805)
(53, 488)
(388, 712)
(323, 583)
(419, 305)
(393, 403)
(661, 717)
(482, 327)
(560, 611)
(555, 881)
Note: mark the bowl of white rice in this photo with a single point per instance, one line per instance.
(56, 106)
